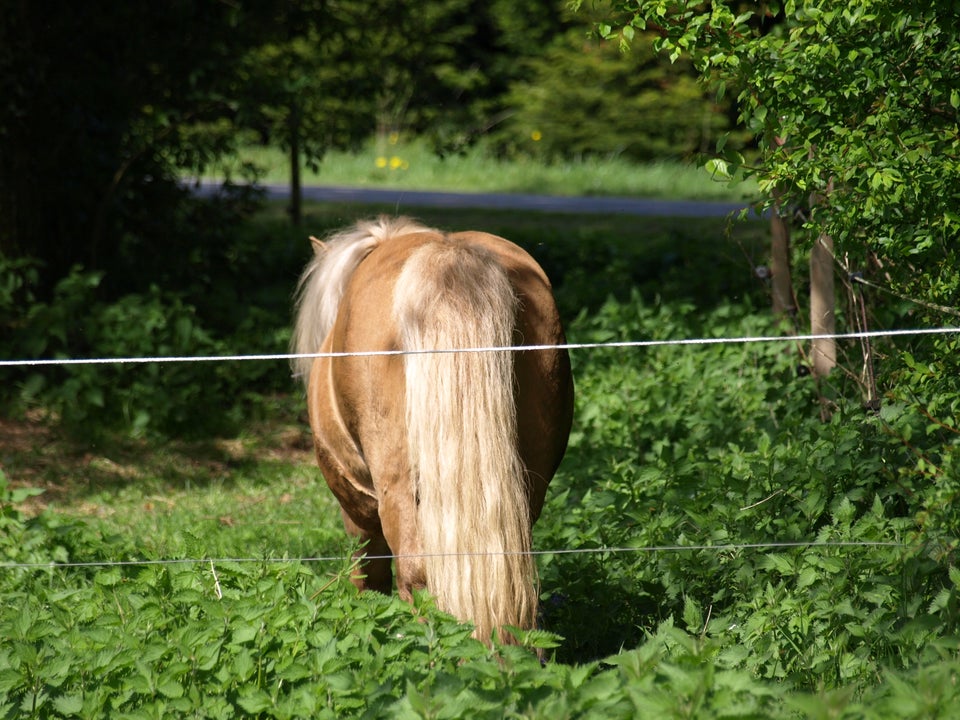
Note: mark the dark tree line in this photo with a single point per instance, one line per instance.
(103, 106)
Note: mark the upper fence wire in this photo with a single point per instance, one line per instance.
(42, 362)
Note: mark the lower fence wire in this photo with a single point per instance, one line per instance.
(330, 559)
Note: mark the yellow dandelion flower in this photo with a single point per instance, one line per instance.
(395, 162)
(394, 138)
(381, 162)
(536, 136)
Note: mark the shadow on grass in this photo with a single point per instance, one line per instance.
(36, 453)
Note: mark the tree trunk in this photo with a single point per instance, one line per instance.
(296, 189)
(823, 319)
(781, 282)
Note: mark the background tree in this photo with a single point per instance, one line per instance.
(308, 84)
(445, 67)
(100, 108)
(105, 107)
(864, 96)
(583, 97)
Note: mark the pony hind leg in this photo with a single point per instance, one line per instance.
(399, 521)
(372, 571)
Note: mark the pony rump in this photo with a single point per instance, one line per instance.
(322, 283)
(470, 482)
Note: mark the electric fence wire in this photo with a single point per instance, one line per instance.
(731, 547)
(509, 348)
(329, 559)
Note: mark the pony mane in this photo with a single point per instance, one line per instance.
(326, 276)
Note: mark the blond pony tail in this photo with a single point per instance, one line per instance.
(471, 484)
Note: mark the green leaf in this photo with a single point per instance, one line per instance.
(954, 573)
(417, 700)
(692, 615)
(244, 633)
(18, 495)
(69, 704)
(108, 578)
(719, 168)
(780, 563)
(170, 688)
(10, 679)
(254, 701)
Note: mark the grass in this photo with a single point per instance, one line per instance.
(414, 166)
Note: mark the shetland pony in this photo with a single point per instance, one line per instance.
(440, 460)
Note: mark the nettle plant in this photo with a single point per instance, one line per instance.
(720, 449)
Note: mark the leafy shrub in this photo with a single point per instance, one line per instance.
(18, 278)
(219, 639)
(712, 451)
(685, 464)
(168, 398)
(650, 259)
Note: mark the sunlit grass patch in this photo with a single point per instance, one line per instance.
(415, 166)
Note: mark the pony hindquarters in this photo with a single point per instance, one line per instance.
(471, 486)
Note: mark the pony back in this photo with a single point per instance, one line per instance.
(322, 283)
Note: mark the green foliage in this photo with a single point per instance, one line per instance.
(229, 294)
(855, 106)
(662, 258)
(98, 110)
(921, 416)
(294, 82)
(721, 447)
(18, 277)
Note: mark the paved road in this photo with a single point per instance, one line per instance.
(402, 200)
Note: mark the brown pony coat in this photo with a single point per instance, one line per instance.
(440, 459)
